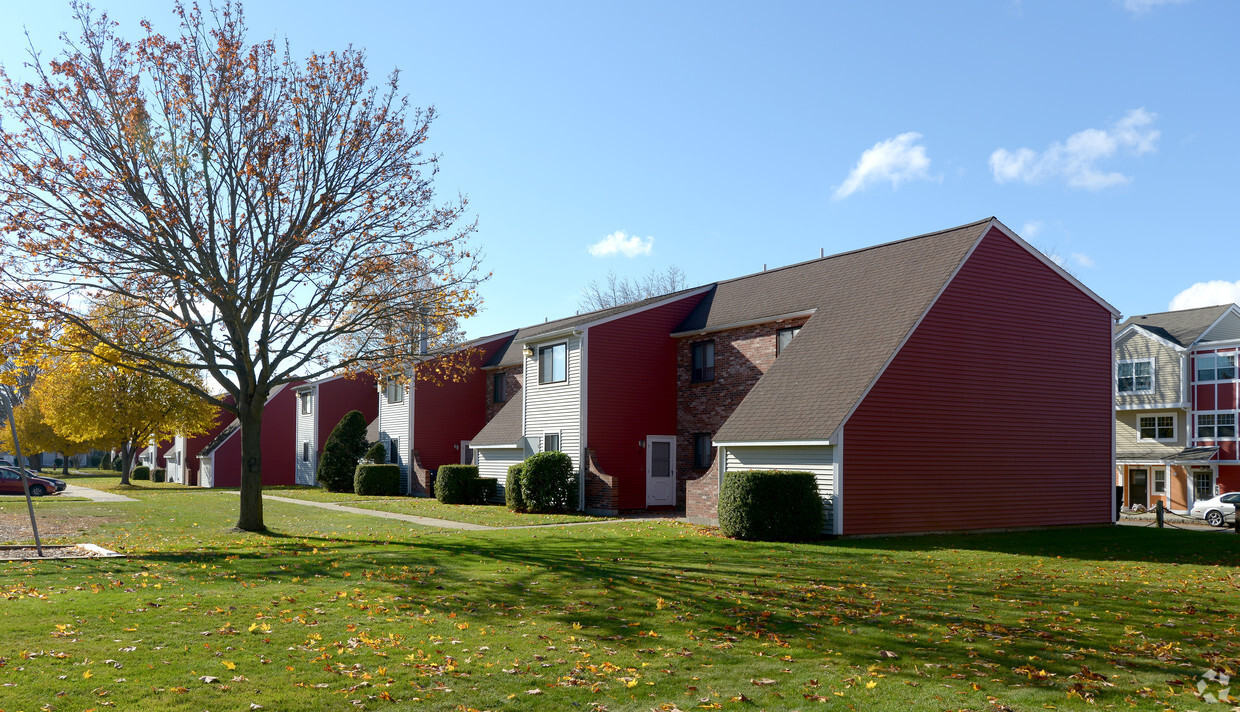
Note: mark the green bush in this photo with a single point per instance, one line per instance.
(344, 447)
(159, 474)
(770, 506)
(453, 484)
(377, 480)
(117, 464)
(376, 454)
(483, 489)
(548, 483)
(512, 488)
(140, 473)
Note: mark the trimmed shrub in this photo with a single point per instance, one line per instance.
(377, 480)
(483, 489)
(159, 474)
(453, 484)
(376, 454)
(512, 488)
(344, 447)
(773, 505)
(140, 473)
(548, 483)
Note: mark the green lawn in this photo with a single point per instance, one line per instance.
(487, 515)
(334, 608)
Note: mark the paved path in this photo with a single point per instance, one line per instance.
(95, 495)
(432, 522)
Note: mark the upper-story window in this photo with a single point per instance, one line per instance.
(783, 337)
(395, 392)
(553, 363)
(1216, 426)
(1135, 376)
(305, 402)
(1157, 427)
(499, 389)
(1216, 367)
(703, 356)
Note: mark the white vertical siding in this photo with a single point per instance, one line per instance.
(175, 459)
(817, 459)
(206, 472)
(395, 422)
(306, 433)
(555, 407)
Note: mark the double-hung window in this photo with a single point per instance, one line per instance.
(703, 357)
(783, 337)
(702, 448)
(499, 391)
(1160, 482)
(395, 392)
(1216, 426)
(1157, 427)
(304, 397)
(1216, 367)
(1134, 376)
(553, 363)
(305, 451)
(394, 451)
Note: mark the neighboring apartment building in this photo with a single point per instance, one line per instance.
(1177, 400)
(219, 461)
(320, 405)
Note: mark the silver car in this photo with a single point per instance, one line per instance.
(1217, 511)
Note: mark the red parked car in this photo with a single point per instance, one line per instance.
(11, 483)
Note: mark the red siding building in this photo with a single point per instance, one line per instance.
(220, 460)
(318, 408)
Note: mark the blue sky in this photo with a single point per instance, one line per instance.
(722, 136)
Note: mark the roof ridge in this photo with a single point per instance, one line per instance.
(1182, 311)
(855, 251)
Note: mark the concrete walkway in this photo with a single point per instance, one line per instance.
(94, 495)
(444, 523)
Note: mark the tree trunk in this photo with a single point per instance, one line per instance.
(251, 417)
(64, 464)
(126, 462)
(36, 461)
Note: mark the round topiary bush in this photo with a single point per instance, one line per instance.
(377, 453)
(512, 488)
(548, 483)
(159, 474)
(454, 484)
(140, 473)
(770, 506)
(377, 480)
(344, 447)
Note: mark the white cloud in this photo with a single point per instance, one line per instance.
(1082, 260)
(618, 243)
(1076, 159)
(1140, 7)
(897, 160)
(1207, 294)
(1031, 229)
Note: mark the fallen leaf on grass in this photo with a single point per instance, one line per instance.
(762, 681)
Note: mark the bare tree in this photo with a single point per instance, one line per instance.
(615, 290)
(273, 216)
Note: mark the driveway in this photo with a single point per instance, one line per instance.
(95, 495)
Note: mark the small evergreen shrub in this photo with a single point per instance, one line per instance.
(159, 474)
(377, 453)
(140, 473)
(548, 483)
(772, 505)
(377, 480)
(454, 484)
(344, 447)
(483, 489)
(512, 488)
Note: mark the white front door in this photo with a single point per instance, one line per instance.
(660, 471)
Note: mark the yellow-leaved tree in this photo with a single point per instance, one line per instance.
(93, 393)
(36, 434)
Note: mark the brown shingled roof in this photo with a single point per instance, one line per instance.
(865, 303)
(504, 428)
(1181, 327)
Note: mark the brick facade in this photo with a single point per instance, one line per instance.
(512, 381)
(742, 355)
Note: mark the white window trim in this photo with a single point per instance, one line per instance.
(1197, 428)
(1233, 354)
(559, 439)
(1175, 428)
(1154, 481)
(305, 402)
(1153, 376)
(538, 364)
